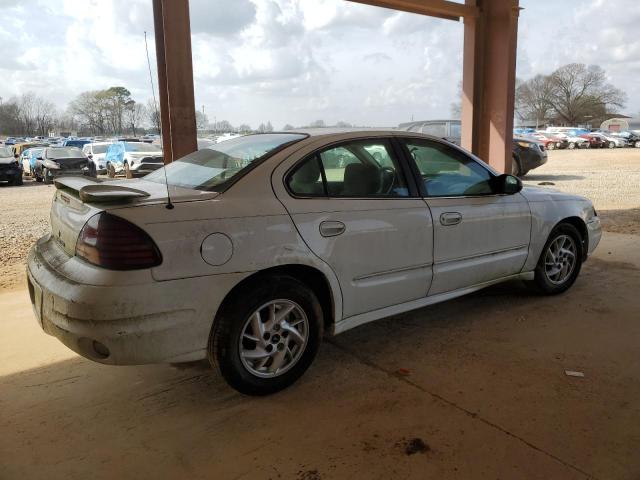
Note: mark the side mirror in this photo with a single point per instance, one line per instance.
(506, 184)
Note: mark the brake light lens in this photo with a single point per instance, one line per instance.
(114, 243)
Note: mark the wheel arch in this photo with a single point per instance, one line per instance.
(308, 275)
(579, 224)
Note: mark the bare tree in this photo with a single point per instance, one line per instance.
(134, 116)
(44, 115)
(153, 114)
(244, 128)
(202, 121)
(534, 98)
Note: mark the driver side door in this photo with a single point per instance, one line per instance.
(479, 235)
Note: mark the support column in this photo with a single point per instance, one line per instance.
(175, 78)
(488, 84)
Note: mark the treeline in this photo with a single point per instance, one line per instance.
(573, 94)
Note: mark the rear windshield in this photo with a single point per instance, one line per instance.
(214, 167)
(140, 147)
(64, 152)
(6, 152)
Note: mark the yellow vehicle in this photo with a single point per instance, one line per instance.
(18, 148)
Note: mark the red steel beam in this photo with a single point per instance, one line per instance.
(433, 8)
(175, 78)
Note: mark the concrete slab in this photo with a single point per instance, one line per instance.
(482, 384)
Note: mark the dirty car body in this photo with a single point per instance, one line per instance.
(266, 241)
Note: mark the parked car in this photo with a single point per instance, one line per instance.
(96, 153)
(595, 141)
(266, 248)
(57, 161)
(29, 158)
(612, 141)
(550, 142)
(632, 139)
(75, 143)
(10, 168)
(528, 153)
(132, 158)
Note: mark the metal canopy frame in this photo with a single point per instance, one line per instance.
(488, 84)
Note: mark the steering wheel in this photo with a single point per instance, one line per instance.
(387, 180)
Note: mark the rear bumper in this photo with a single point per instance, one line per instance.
(142, 323)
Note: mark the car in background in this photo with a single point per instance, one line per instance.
(548, 141)
(18, 148)
(132, 158)
(526, 155)
(10, 168)
(79, 143)
(595, 141)
(28, 159)
(60, 161)
(632, 139)
(96, 153)
(205, 143)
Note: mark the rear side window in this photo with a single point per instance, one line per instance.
(357, 169)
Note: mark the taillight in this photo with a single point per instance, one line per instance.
(114, 243)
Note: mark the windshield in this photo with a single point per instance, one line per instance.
(140, 147)
(213, 167)
(71, 152)
(99, 148)
(6, 152)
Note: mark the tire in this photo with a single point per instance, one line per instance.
(235, 331)
(515, 167)
(637, 144)
(127, 171)
(612, 145)
(548, 282)
(37, 177)
(45, 177)
(551, 146)
(111, 171)
(17, 182)
(571, 146)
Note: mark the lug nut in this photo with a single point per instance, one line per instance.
(266, 336)
(269, 348)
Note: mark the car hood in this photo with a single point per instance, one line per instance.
(7, 160)
(539, 194)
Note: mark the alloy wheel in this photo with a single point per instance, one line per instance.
(560, 259)
(274, 338)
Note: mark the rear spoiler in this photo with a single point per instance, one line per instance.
(91, 190)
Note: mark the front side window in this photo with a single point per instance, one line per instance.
(446, 171)
(361, 168)
(140, 147)
(213, 168)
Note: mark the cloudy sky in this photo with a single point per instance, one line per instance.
(296, 61)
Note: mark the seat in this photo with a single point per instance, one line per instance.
(361, 180)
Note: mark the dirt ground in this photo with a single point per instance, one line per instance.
(472, 388)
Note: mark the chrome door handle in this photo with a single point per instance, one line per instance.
(332, 228)
(450, 218)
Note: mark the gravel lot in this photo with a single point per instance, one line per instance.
(610, 178)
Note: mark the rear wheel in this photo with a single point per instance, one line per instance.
(637, 144)
(612, 144)
(560, 261)
(551, 146)
(263, 342)
(572, 145)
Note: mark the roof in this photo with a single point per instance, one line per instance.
(318, 132)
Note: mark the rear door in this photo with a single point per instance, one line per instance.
(479, 236)
(353, 206)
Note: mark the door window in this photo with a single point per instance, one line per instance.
(447, 172)
(362, 168)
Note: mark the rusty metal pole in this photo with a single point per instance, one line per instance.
(490, 45)
(175, 78)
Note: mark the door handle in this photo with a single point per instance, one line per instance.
(450, 218)
(332, 228)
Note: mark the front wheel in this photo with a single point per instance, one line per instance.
(560, 261)
(612, 145)
(572, 145)
(551, 146)
(637, 144)
(263, 342)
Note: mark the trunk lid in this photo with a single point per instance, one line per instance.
(77, 199)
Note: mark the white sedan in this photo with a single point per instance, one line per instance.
(254, 249)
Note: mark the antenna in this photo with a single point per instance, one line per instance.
(169, 205)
